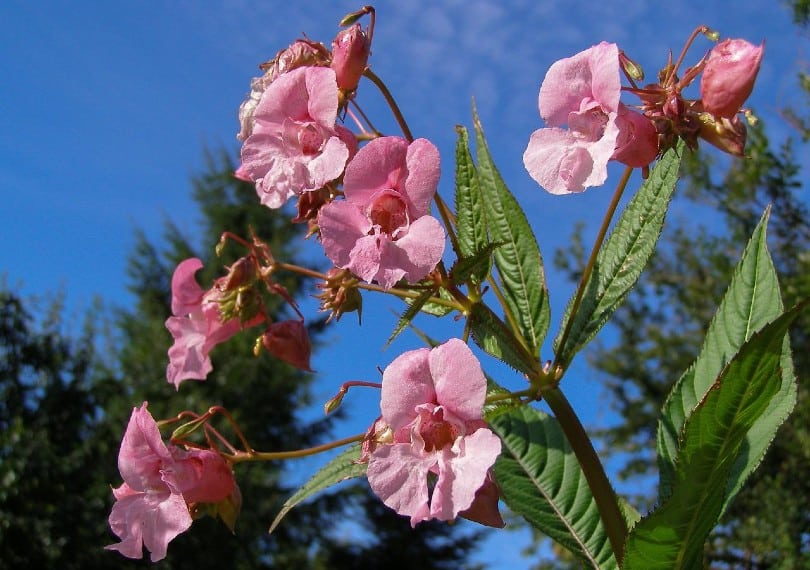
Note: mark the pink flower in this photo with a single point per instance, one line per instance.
(382, 230)
(195, 326)
(151, 505)
(294, 145)
(729, 76)
(582, 92)
(433, 401)
(299, 54)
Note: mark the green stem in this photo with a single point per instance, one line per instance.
(241, 457)
(603, 493)
(586, 274)
(403, 125)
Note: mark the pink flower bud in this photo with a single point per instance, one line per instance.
(350, 51)
(203, 475)
(729, 76)
(288, 340)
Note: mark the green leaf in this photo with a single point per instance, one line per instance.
(476, 265)
(339, 469)
(713, 439)
(498, 407)
(414, 306)
(542, 481)
(752, 300)
(491, 334)
(622, 258)
(471, 226)
(518, 258)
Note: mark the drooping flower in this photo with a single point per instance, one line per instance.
(152, 505)
(432, 399)
(295, 145)
(382, 231)
(729, 76)
(196, 325)
(581, 92)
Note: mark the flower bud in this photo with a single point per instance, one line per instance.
(350, 51)
(289, 341)
(726, 134)
(637, 143)
(729, 76)
(203, 475)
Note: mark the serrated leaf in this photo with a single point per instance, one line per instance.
(438, 309)
(477, 265)
(500, 406)
(518, 258)
(542, 481)
(714, 437)
(414, 306)
(471, 225)
(752, 300)
(622, 258)
(340, 468)
(491, 334)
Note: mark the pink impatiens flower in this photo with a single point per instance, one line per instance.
(729, 76)
(152, 505)
(294, 145)
(196, 325)
(432, 399)
(382, 231)
(582, 92)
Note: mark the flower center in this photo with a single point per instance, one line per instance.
(436, 432)
(306, 137)
(589, 124)
(389, 212)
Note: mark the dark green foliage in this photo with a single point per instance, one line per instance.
(660, 328)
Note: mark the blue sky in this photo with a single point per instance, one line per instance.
(106, 108)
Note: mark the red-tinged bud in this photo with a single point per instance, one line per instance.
(637, 143)
(350, 51)
(203, 475)
(289, 341)
(726, 134)
(729, 76)
(240, 274)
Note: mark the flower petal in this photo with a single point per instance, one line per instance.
(406, 384)
(398, 476)
(460, 384)
(460, 476)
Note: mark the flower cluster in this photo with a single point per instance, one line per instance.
(367, 198)
(161, 485)
(582, 92)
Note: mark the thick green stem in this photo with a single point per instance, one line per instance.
(598, 482)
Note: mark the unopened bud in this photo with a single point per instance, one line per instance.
(350, 51)
(631, 68)
(726, 134)
(334, 403)
(289, 341)
(729, 76)
(713, 35)
(241, 273)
